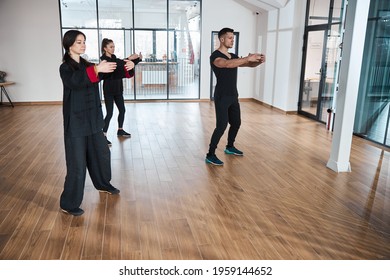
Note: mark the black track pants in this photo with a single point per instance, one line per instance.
(227, 111)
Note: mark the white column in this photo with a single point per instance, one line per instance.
(353, 45)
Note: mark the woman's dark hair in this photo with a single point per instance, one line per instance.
(105, 42)
(67, 41)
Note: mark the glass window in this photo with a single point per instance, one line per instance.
(144, 43)
(170, 66)
(184, 49)
(115, 14)
(373, 109)
(337, 10)
(150, 14)
(161, 45)
(78, 14)
(319, 12)
(119, 37)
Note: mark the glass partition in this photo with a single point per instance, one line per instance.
(337, 11)
(312, 71)
(318, 12)
(166, 33)
(373, 109)
(78, 14)
(184, 49)
(321, 60)
(115, 14)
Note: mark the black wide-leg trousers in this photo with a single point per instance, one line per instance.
(227, 111)
(82, 153)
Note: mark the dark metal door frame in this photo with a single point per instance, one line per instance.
(308, 29)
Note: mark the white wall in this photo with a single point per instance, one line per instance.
(30, 49)
(217, 14)
(283, 48)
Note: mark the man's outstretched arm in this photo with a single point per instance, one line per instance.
(237, 62)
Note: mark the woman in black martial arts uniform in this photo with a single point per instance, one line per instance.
(113, 89)
(85, 143)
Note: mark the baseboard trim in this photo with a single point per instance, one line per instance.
(32, 103)
(274, 108)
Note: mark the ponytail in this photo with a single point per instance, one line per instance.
(105, 42)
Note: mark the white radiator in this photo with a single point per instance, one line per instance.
(154, 77)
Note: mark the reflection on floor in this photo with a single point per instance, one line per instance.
(377, 131)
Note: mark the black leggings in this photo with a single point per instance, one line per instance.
(120, 104)
(227, 110)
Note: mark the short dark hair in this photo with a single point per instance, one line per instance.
(223, 31)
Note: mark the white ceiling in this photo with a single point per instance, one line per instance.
(140, 5)
(263, 5)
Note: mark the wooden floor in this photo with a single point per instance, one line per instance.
(279, 201)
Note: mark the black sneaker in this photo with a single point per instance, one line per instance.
(233, 151)
(110, 190)
(212, 159)
(74, 212)
(123, 133)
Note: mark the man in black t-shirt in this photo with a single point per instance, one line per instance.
(227, 107)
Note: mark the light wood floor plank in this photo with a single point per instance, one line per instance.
(278, 201)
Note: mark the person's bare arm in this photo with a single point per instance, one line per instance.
(236, 62)
(256, 63)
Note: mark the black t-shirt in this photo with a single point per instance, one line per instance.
(226, 77)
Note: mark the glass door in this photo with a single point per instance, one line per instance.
(321, 58)
(320, 72)
(312, 73)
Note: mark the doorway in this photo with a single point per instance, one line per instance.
(319, 82)
(322, 51)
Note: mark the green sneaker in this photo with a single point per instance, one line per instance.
(233, 151)
(212, 159)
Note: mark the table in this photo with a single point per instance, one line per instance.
(3, 90)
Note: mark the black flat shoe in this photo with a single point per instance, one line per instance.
(110, 190)
(74, 212)
(123, 133)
